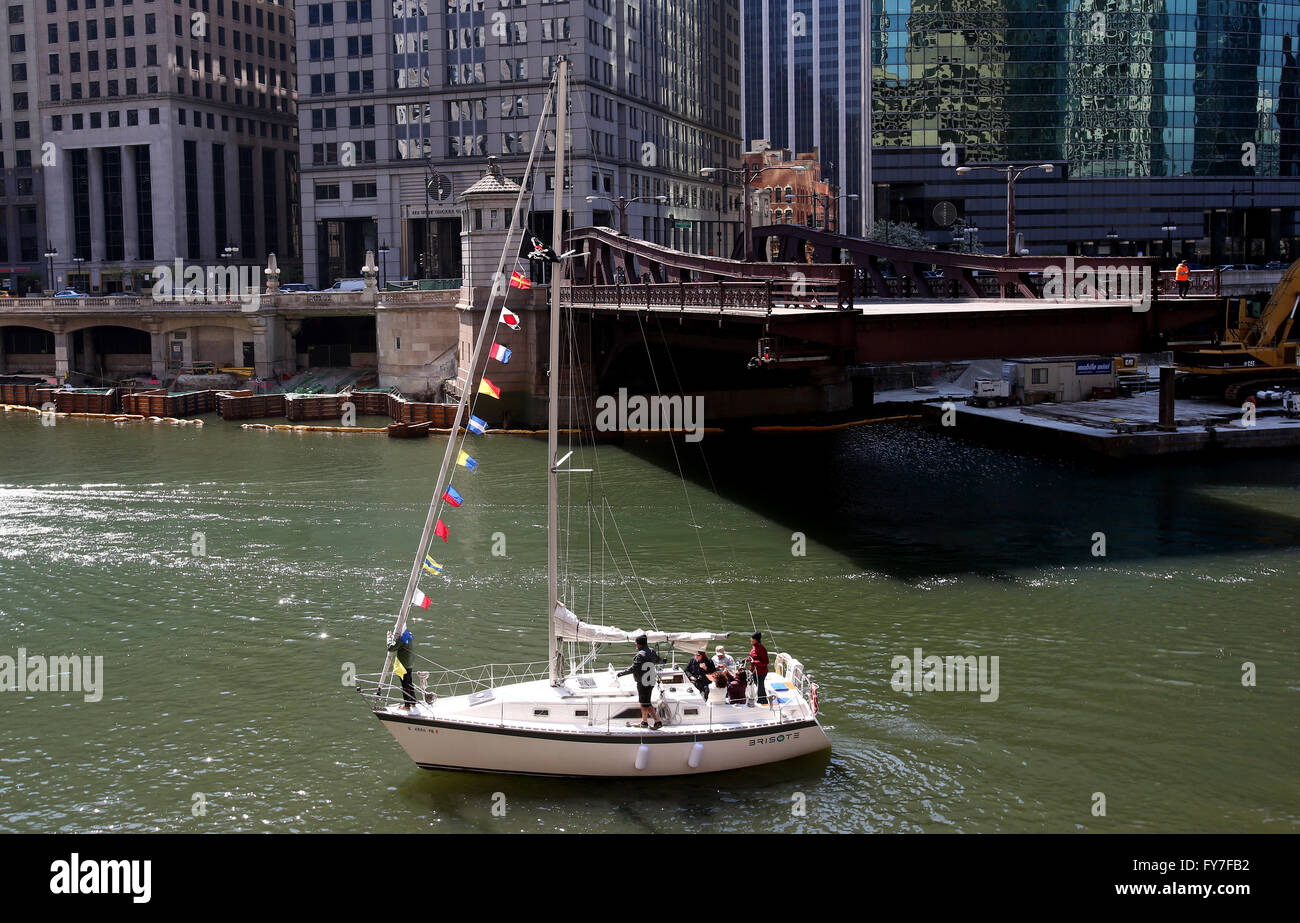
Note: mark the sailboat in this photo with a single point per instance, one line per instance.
(563, 716)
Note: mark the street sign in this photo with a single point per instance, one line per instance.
(682, 225)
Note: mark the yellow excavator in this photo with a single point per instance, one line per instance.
(1257, 353)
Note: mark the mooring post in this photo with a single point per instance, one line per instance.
(1167, 399)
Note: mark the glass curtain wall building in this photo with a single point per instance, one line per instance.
(804, 89)
(1173, 125)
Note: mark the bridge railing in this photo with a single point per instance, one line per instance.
(341, 302)
(757, 298)
(1201, 282)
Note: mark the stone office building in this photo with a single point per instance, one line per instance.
(169, 131)
(401, 92)
(22, 220)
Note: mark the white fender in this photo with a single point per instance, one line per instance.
(697, 755)
(642, 756)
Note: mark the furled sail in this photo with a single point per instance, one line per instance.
(567, 626)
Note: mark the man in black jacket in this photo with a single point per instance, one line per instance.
(643, 668)
(701, 670)
(402, 665)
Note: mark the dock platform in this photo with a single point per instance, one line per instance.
(1123, 427)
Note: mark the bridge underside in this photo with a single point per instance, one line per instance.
(937, 332)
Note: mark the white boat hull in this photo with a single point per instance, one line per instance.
(442, 744)
(589, 726)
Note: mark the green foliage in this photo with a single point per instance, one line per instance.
(899, 234)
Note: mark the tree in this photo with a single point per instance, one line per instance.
(899, 234)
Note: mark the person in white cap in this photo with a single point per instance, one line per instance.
(725, 662)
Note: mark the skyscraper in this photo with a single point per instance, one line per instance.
(804, 88)
(167, 130)
(22, 219)
(403, 102)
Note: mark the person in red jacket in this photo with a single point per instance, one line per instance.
(758, 662)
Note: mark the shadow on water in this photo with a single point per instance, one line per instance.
(908, 501)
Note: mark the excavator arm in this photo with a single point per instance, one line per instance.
(1275, 322)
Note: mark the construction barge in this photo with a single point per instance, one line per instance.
(1121, 428)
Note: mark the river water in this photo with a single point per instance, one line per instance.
(1120, 677)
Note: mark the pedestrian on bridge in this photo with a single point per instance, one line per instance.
(1184, 276)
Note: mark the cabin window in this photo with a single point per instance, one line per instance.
(692, 711)
(580, 713)
(1038, 376)
(541, 712)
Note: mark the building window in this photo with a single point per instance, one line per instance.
(358, 10)
(326, 191)
(365, 190)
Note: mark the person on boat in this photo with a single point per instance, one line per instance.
(758, 661)
(402, 647)
(726, 663)
(701, 671)
(736, 689)
(643, 668)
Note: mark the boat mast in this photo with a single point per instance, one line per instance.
(475, 362)
(553, 372)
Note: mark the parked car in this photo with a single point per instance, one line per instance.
(347, 285)
(295, 287)
(1240, 267)
(70, 293)
(1276, 264)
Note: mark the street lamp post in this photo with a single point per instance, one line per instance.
(383, 264)
(50, 253)
(791, 196)
(429, 174)
(747, 175)
(965, 237)
(622, 202)
(79, 260)
(852, 196)
(1012, 173)
(230, 252)
(1169, 227)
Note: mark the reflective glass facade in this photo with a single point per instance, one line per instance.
(1114, 88)
(1173, 126)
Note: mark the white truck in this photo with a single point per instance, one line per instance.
(992, 392)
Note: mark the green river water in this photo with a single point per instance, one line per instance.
(223, 706)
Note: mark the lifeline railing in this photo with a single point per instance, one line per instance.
(444, 682)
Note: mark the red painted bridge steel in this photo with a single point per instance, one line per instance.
(821, 313)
